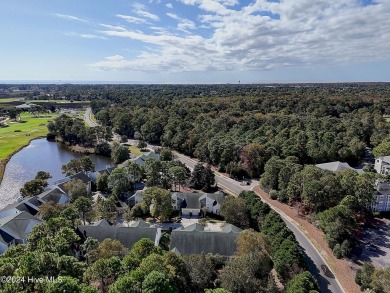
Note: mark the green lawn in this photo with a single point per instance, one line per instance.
(8, 100)
(57, 101)
(135, 151)
(30, 128)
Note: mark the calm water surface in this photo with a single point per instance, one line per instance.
(39, 155)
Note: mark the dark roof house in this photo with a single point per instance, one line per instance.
(195, 239)
(55, 195)
(128, 236)
(84, 177)
(14, 229)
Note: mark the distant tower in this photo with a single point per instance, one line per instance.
(239, 81)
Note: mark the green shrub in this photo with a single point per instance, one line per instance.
(273, 194)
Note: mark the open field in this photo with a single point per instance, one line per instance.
(57, 101)
(8, 100)
(11, 141)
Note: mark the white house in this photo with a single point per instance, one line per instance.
(381, 201)
(137, 197)
(382, 165)
(381, 197)
(191, 204)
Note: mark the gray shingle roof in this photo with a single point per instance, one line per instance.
(383, 188)
(5, 238)
(190, 200)
(141, 159)
(23, 207)
(29, 205)
(52, 195)
(197, 200)
(128, 236)
(80, 176)
(195, 240)
(102, 222)
(386, 159)
(19, 224)
(140, 224)
(218, 197)
(337, 166)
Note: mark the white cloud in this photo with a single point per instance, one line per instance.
(113, 27)
(169, 5)
(70, 17)
(214, 6)
(140, 10)
(264, 35)
(132, 19)
(85, 36)
(184, 24)
(91, 36)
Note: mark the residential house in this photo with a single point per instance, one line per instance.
(192, 204)
(32, 204)
(29, 205)
(382, 197)
(55, 195)
(141, 159)
(84, 177)
(128, 236)
(107, 170)
(381, 201)
(382, 165)
(15, 228)
(136, 198)
(196, 239)
(102, 222)
(337, 166)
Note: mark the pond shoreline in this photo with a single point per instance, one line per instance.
(40, 155)
(3, 163)
(73, 149)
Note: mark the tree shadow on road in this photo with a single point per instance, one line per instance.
(323, 283)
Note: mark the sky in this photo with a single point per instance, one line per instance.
(195, 41)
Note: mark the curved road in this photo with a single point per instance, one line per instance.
(317, 265)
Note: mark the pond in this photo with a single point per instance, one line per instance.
(39, 155)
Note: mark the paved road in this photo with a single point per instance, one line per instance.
(87, 118)
(317, 264)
